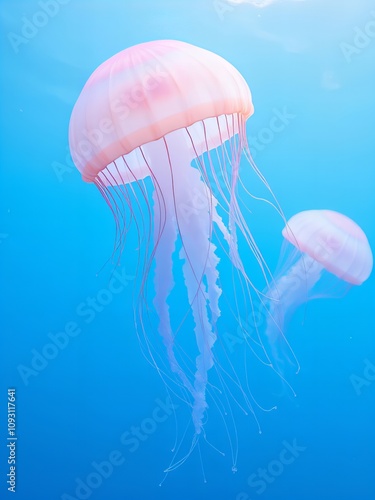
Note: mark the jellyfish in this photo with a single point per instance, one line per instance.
(160, 130)
(324, 254)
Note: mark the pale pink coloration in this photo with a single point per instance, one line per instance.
(147, 91)
(334, 240)
(173, 114)
(328, 253)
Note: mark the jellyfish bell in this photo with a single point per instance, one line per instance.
(160, 129)
(331, 243)
(145, 92)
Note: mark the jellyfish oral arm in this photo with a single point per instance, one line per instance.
(293, 286)
(177, 188)
(288, 292)
(195, 228)
(165, 235)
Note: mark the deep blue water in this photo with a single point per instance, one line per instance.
(311, 61)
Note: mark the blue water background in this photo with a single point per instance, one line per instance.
(56, 233)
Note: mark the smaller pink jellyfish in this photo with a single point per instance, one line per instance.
(324, 253)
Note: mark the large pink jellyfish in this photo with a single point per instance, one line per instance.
(166, 120)
(324, 253)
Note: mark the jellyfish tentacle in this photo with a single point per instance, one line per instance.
(284, 296)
